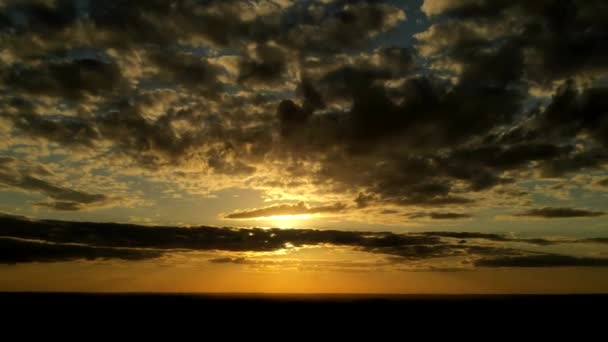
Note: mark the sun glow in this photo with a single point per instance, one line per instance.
(287, 221)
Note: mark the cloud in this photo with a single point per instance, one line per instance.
(29, 240)
(25, 177)
(550, 213)
(340, 25)
(186, 70)
(59, 193)
(287, 209)
(13, 251)
(61, 206)
(440, 216)
(229, 261)
(463, 236)
(68, 77)
(548, 260)
(67, 131)
(603, 182)
(597, 240)
(265, 67)
(248, 90)
(363, 200)
(543, 32)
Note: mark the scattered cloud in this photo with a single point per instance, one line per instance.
(249, 94)
(27, 240)
(547, 260)
(556, 213)
(287, 209)
(15, 251)
(25, 177)
(440, 216)
(229, 261)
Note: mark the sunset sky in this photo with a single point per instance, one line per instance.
(390, 146)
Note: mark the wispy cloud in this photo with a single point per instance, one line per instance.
(26, 240)
(562, 212)
(441, 216)
(287, 209)
(18, 175)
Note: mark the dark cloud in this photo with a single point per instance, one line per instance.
(62, 241)
(572, 113)
(198, 238)
(548, 260)
(287, 209)
(312, 83)
(562, 38)
(480, 43)
(66, 199)
(341, 25)
(463, 236)
(363, 200)
(68, 131)
(229, 261)
(158, 22)
(603, 182)
(22, 16)
(596, 240)
(440, 216)
(565, 165)
(550, 213)
(385, 144)
(266, 67)
(186, 70)
(61, 205)
(68, 77)
(292, 118)
(59, 193)
(14, 251)
(389, 212)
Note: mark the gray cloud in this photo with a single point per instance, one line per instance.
(266, 67)
(440, 216)
(61, 205)
(186, 70)
(548, 260)
(550, 213)
(66, 77)
(562, 38)
(363, 200)
(286, 209)
(229, 261)
(66, 199)
(597, 240)
(67, 131)
(375, 119)
(13, 251)
(341, 25)
(63, 241)
(463, 236)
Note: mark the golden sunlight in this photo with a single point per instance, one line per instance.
(287, 221)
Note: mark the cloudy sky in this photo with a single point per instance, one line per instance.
(397, 145)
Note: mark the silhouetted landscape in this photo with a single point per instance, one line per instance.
(154, 153)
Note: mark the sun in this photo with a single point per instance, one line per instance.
(287, 221)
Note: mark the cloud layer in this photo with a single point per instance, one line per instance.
(286, 210)
(25, 240)
(313, 101)
(550, 213)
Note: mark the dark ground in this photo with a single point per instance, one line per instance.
(136, 302)
(268, 315)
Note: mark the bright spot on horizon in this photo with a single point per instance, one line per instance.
(286, 221)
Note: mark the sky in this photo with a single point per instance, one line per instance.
(389, 146)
